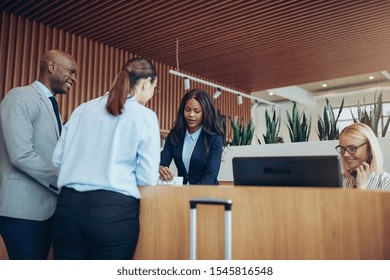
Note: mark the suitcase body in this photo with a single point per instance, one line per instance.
(227, 203)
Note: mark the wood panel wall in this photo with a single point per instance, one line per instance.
(23, 42)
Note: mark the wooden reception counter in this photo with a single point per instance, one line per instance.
(268, 223)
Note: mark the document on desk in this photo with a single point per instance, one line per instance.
(177, 181)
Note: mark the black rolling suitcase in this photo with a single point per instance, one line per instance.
(227, 203)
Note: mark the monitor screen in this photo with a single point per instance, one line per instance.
(298, 171)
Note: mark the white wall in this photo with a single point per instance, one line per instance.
(258, 116)
(313, 147)
(258, 113)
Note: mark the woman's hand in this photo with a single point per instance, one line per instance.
(362, 176)
(165, 173)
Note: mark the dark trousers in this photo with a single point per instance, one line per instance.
(26, 239)
(95, 225)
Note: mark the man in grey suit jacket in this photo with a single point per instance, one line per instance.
(29, 131)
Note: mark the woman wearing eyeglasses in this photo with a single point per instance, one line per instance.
(362, 159)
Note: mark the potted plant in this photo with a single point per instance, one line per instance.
(327, 126)
(298, 125)
(222, 118)
(272, 128)
(372, 118)
(242, 133)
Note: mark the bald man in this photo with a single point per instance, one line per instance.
(30, 126)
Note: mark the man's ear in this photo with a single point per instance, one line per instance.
(51, 66)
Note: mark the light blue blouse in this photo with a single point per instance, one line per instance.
(99, 151)
(189, 145)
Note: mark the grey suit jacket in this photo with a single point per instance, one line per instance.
(28, 136)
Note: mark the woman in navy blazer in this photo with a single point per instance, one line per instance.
(195, 142)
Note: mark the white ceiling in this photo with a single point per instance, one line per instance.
(359, 85)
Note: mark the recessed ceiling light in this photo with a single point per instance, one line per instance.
(371, 77)
(270, 93)
(324, 85)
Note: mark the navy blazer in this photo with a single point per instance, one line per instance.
(202, 171)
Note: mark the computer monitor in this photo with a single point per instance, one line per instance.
(298, 171)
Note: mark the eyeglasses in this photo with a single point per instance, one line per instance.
(157, 89)
(350, 149)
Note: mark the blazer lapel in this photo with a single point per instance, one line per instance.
(179, 156)
(198, 151)
(49, 107)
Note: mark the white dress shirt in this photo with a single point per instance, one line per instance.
(47, 91)
(379, 182)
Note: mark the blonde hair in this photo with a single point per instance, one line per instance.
(363, 132)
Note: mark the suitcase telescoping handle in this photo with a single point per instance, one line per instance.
(227, 203)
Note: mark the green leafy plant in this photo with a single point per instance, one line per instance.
(272, 128)
(371, 118)
(222, 118)
(327, 126)
(242, 133)
(386, 127)
(298, 125)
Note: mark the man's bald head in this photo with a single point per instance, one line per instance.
(58, 71)
(57, 56)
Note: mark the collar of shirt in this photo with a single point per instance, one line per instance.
(194, 135)
(44, 89)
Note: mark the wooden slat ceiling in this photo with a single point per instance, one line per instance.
(250, 44)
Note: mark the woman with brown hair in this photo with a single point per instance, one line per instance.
(108, 148)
